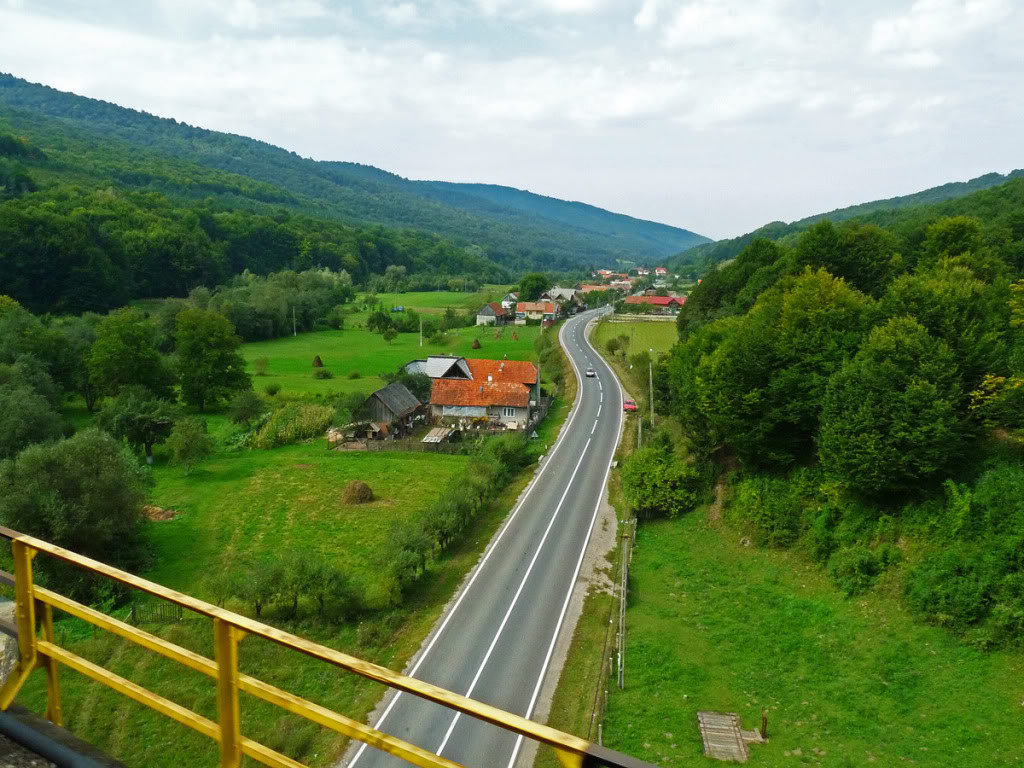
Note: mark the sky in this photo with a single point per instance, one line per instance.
(715, 115)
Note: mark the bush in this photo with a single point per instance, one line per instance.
(260, 365)
(354, 375)
(272, 388)
(322, 373)
(246, 407)
(772, 506)
(655, 483)
(189, 443)
(854, 570)
(292, 423)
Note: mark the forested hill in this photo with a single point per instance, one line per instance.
(877, 211)
(516, 229)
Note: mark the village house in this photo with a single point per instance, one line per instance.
(660, 272)
(391, 410)
(493, 314)
(473, 389)
(660, 305)
(440, 367)
(509, 301)
(536, 310)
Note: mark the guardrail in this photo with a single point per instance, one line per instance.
(36, 604)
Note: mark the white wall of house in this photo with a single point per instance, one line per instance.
(506, 414)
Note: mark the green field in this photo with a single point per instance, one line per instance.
(436, 302)
(714, 625)
(660, 336)
(357, 350)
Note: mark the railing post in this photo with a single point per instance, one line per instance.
(229, 715)
(54, 711)
(26, 604)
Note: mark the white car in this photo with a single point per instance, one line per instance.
(591, 373)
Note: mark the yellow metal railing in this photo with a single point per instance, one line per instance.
(35, 606)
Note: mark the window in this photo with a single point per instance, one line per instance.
(508, 412)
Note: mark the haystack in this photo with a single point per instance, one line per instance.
(357, 492)
(476, 343)
(317, 362)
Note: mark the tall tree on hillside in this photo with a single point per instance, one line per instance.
(209, 364)
(125, 354)
(890, 419)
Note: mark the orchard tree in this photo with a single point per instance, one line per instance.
(125, 354)
(246, 407)
(189, 443)
(209, 364)
(890, 418)
(138, 418)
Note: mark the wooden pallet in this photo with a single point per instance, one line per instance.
(723, 737)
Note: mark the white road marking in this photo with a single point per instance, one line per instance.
(599, 409)
(515, 598)
(593, 427)
(479, 569)
(568, 596)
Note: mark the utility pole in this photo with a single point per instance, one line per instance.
(421, 330)
(650, 376)
(639, 429)
(294, 332)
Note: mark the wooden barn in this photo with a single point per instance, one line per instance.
(392, 405)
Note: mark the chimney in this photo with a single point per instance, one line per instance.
(489, 377)
(501, 367)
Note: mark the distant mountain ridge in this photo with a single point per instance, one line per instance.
(723, 250)
(517, 229)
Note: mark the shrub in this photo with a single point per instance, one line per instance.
(292, 423)
(260, 365)
(322, 373)
(772, 505)
(189, 443)
(951, 587)
(854, 570)
(354, 375)
(246, 407)
(657, 484)
(272, 388)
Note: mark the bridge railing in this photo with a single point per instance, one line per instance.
(38, 649)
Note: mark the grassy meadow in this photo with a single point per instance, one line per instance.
(436, 302)
(660, 336)
(716, 625)
(359, 351)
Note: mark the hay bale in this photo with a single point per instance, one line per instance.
(357, 492)
(476, 343)
(317, 362)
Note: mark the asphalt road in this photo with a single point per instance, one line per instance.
(495, 642)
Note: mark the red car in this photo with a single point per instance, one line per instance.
(629, 405)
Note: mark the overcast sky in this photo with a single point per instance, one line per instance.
(716, 115)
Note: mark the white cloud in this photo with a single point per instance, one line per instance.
(708, 23)
(402, 14)
(870, 103)
(933, 23)
(648, 14)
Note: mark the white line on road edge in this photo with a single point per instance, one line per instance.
(568, 594)
(494, 545)
(515, 598)
(593, 427)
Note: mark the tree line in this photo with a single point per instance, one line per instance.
(868, 381)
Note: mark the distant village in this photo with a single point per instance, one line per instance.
(470, 394)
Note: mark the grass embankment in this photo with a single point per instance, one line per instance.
(845, 682)
(243, 505)
(643, 336)
(436, 302)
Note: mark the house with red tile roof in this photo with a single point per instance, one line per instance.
(660, 305)
(536, 310)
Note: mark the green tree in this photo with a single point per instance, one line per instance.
(84, 493)
(189, 443)
(125, 354)
(139, 418)
(246, 407)
(533, 285)
(890, 418)
(389, 335)
(380, 321)
(25, 418)
(657, 484)
(209, 364)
